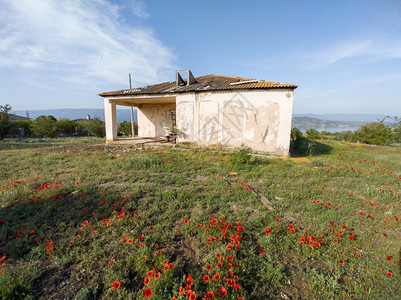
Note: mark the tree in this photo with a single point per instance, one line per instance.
(96, 127)
(45, 126)
(396, 127)
(4, 121)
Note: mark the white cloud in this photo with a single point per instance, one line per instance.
(369, 50)
(81, 41)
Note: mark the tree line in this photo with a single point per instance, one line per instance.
(50, 127)
(376, 133)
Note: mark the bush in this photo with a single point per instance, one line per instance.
(375, 133)
(125, 128)
(313, 134)
(21, 129)
(45, 126)
(81, 129)
(96, 127)
(240, 158)
(65, 127)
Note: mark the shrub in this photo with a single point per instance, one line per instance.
(297, 138)
(239, 158)
(45, 126)
(65, 126)
(96, 127)
(81, 129)
(125, 128)
(313, 134)
(375, 133)
(21, 128)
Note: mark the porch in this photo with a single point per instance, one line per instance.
(156, 114)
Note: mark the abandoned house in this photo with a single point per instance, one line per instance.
(210, 110)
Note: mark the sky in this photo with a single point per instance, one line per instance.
(344, 56)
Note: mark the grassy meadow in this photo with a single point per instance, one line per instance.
(82, 220)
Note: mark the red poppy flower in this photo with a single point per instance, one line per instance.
(341, 262)
(389, 273)
(192, 296)
(209, 267)
(151, 227)
(277, 219)
(174, 298)
(261, 251)
(268, 230)
(181, 290)
(111, 261)
(116, 285)
(3, 258)
(146, 281)
(71, 243)
(222, 291)
(210, 295)
(216, 276)
(157, 275)
(186, 221)
(389, 258)
(48, 244)
(50, 249)
(189, 280)
(206, 278)
(147, 293)
(219, 265)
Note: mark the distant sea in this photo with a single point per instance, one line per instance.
(331, 129)
(76, 113)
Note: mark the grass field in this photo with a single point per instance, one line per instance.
(81, 220)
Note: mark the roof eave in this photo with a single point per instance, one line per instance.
(124, 92)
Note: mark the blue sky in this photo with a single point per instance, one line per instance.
(345, 56)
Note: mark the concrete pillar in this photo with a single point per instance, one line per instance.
(110, 120)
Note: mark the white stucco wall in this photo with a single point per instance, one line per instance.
(260, 119)
(153, 119)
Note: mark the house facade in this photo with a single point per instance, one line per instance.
(210, 110)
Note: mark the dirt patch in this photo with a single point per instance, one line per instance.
(56, 280)
(235, 207)
(291, 217)
(201, 178)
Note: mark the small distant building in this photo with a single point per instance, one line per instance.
(210, 110)
(13, 117)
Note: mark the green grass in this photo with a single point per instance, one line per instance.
(113, 214)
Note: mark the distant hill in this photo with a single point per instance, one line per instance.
(347, 118)
(307, 122)
(77, 113)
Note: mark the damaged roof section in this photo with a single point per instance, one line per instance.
(204, 83)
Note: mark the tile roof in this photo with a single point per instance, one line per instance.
(203, 84)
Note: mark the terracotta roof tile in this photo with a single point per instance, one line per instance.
(203, 84)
